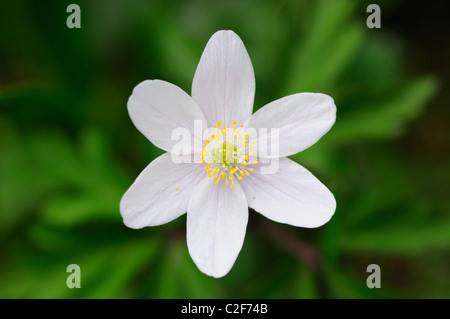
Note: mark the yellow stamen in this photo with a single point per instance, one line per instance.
(226, 153)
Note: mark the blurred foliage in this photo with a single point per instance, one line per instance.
(68, 151)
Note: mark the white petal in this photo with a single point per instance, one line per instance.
(302, 119)
(153, 199)
(157, 108)
(224, 83)
(291, 196)
(216, 223)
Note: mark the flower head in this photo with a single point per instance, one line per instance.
(234, 157)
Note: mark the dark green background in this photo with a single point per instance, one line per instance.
(68, 149)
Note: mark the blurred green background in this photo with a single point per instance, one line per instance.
(68, 149)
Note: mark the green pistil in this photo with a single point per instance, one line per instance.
(226, 154)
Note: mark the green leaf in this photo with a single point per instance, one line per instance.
(325, 50)
(386, 117)
(318, 71)
(406, 239)
(114, 279)
(176, 276)
(306, 287)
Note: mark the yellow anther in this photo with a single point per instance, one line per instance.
(177, 188)
(232, 185)
(227, 182)
(219, 124)
(207, 141)
(239, 178)
(234, 122)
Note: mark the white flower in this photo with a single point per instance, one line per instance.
(217, 206)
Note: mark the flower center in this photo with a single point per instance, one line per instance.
(226, 153)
